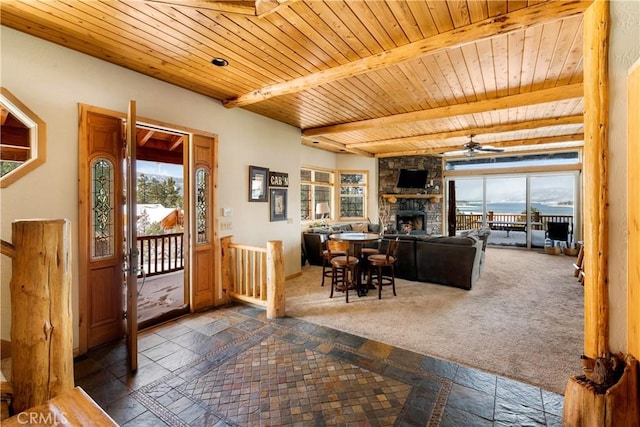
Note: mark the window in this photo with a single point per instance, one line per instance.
(22, 147)
(353, 194)
(316, 194)
(102, 217)
(569, 158)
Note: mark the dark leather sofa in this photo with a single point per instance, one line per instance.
(452, 261)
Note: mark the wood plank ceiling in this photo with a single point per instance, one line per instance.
(374, 78)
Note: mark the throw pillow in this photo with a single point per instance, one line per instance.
(359, 227)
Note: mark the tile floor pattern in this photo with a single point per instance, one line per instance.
(232, 367)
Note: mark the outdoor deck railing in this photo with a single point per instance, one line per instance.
(160, 254)
(470, 221)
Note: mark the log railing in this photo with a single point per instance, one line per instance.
(255, 274)
(161, 254)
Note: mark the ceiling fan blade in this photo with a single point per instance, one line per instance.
(492, 150)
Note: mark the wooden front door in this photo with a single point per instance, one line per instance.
(204, 237)
(100, 227)
(131, 241)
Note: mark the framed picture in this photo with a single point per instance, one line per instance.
(258, 180)
(278, 199)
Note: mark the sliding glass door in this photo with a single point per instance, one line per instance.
(520, 209)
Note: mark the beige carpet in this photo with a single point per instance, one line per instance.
(523, 319)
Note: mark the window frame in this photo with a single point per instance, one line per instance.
(365, 191)
(313, 184)
(37, 137)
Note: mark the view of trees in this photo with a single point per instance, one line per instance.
(7, 166)
(164, 192)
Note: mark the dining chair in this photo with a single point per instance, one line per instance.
(379, 264)
(330, 252)
(343, 268)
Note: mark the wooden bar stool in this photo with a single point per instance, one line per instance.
(365, 253)
(343, 269)
(332, 251)
(378, 263)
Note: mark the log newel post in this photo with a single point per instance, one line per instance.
(41, 312)
(275, 280)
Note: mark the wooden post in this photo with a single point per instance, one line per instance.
(452, 217)
(585, 406)
(41, 315)
(275, 280)
(595, 171)
(225, 263)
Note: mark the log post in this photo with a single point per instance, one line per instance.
(41, 314)
(275, 280)
(586, 406)
(595, 171)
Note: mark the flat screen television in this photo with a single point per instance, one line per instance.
(412, 178)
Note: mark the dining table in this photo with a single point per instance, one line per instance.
(356, 242)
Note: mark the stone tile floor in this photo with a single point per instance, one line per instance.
(231, 366)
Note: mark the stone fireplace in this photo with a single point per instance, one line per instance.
(412, 211)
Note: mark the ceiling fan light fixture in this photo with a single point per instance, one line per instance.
(219, 62)
(470, 153)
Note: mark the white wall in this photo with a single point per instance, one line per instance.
(52, 80)
(624, 52)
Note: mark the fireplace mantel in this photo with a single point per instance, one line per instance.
(431, 197)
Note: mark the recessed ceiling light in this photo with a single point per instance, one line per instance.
(219, 62)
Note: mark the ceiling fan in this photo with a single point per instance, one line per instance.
(472, 148)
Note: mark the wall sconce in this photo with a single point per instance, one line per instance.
(322, 209)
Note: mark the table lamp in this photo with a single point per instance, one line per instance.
(322, 208)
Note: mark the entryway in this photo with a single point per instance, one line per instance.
(133, 248)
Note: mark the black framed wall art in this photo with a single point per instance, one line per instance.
(278, 204)
(258, 183)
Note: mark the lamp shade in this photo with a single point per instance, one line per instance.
(322, 208)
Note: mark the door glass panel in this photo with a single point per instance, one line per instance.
(102, 216)
(202, 205)
(552, 202)
(506, 211)
(469, 203)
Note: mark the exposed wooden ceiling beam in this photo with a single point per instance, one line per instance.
(241, 7)
(491, 27)
(510, 127)
(146, 136)
(511, 143)
(4, 113)
(512, 101)
(341, 147)
(238, 7)
(176, 141)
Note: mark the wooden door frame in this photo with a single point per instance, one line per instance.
(82, 269)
